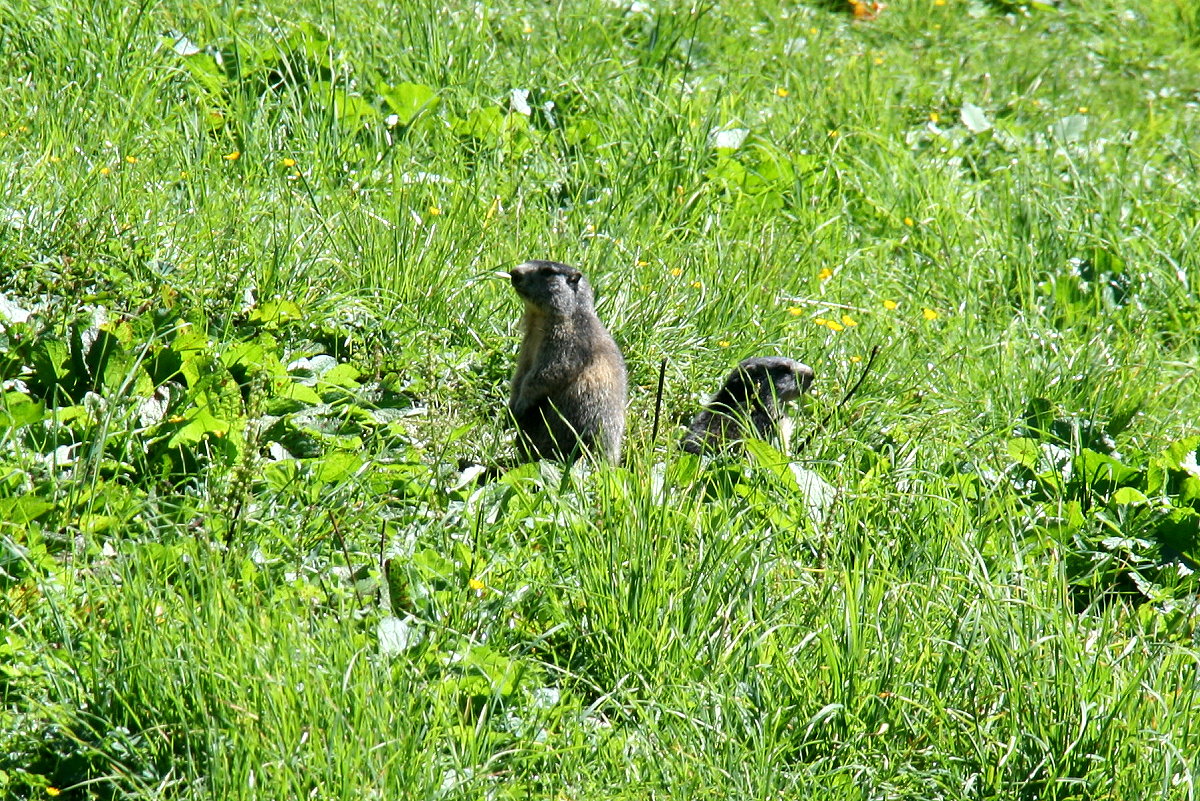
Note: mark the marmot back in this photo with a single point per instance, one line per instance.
(568, 391)
(752, 395)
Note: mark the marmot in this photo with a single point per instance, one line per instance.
(751, 394)
(568, 391)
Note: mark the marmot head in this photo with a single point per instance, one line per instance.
(748, 402)
(551, 287)
(764, 382)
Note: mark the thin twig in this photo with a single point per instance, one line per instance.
(825, 304)
(845, 399)
(349, 565)
(382, 545)
(662, 377)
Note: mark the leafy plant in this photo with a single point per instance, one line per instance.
(1130, 523)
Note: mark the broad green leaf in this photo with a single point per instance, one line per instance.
(1062, 518)
(432, 565)
(974, 118)
(818, 493)
(1091, 466)
(582, 132)
(18, 409)
(1039, 417)
(1070, 129)
(51, 365)
(311, 42)
(397, 635)
(200, 422)
(1025, 452)
(486, 124)
(1128, 496)
(1183, 455)
(23, 509)
(275, 311)
(350, 110)
(206, 72)
(769, 458)
(502, 673)
(337, 466)
(409, 100)
(292, 394)
(343, 375)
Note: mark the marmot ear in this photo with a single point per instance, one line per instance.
(573, 278)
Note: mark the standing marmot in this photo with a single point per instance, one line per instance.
(568, 392)
(751, 394)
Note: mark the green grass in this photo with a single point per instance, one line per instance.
(225, 573)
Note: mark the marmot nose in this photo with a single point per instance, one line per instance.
(804, 375)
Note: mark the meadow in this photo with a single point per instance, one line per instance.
(251, 329)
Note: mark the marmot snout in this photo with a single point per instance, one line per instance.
(568, 391)
(752, 394)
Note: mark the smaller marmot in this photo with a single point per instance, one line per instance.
(752, 394)
(568, 391)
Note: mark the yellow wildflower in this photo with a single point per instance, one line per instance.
(642, 263)
(1083, 109)
(288, 162)
(676, 271)
(908, 221)
(855, 359)
(477, 585)
(934, 116)
(697, 285)
(105, 170)
(131, 159)
(795, 311)
(781, 92)
(825, 274)
(878, 60)
(890, 304)
(724, 343)
(234, 156)
(929, 314)
(434, 211)
(848, 321)
(820, 320)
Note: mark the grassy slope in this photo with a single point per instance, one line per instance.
(920, 641)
